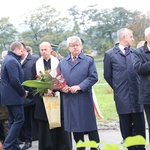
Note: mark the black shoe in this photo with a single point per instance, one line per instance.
(27, 145)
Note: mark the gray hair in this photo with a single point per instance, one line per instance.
(147, 31)
(73, 39)
(4, 53)
(122, 32)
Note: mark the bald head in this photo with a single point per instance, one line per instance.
(45, 50)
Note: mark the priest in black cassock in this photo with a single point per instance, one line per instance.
(49, 139)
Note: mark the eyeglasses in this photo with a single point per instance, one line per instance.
(76, 45)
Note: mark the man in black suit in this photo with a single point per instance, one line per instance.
(27, 61)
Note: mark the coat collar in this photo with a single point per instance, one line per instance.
(116, 49)
(146, 48)
(14, 55)
(81, 56)
(27, 58)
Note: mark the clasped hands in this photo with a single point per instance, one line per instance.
(66, 89)
(72, 89)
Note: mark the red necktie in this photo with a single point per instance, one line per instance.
(74, 59)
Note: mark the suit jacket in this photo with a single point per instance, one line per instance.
(11, 80)
(28, 75)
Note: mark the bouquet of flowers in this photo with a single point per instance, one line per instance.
(45, 81)
(53, 80)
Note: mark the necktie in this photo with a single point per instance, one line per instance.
(74, 59)
(126, 50)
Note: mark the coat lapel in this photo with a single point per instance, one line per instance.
(71, 63)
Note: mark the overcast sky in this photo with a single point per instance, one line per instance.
(16, 8)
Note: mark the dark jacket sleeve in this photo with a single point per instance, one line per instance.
(141, 65)
(14, 77)
(108, 69)
(92, 77)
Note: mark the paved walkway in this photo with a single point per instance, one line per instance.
(107, 135)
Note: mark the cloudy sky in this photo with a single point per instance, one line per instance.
(16, 8)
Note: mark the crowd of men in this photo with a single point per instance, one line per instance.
(126, 69)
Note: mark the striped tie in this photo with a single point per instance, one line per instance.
(74, 59)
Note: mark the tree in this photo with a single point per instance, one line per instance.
(139, 23)
(8, 33)
(101, 25)
(44, 24)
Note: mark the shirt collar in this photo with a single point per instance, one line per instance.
(122, 48)
(22, 60)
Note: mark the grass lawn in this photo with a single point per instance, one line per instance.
(104, 95)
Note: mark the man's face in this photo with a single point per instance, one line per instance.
(54, 53)
(24, 52)
(45, 51)
(129, 39)
(19, 51)
(75, 48)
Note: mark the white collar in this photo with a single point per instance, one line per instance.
(122, 48)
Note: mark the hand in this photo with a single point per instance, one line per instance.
(26, 94)
(66, 89)
(75, 88)
(49, 93)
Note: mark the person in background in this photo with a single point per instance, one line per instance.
(27, 62)
(4, 53)
(55, 52)
(29, 50)
(49, 139)
(13, 94)
(3, 111)
(141, 43)
(123, 79)
(142, 67)
(80, 73)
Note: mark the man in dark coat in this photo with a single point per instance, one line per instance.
(13, 94)
(142, 66)
(27, 62)
(123, 79)
(3, 111)
(49, 139)
(80, 73)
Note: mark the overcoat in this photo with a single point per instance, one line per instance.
(27, 67)
(79, 115)
(12, 77)
(142, 66)
(3, 109)
(121, 76)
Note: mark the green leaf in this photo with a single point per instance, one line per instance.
(111, 147)
(37, 84)
(134, 140)
(86, 144)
